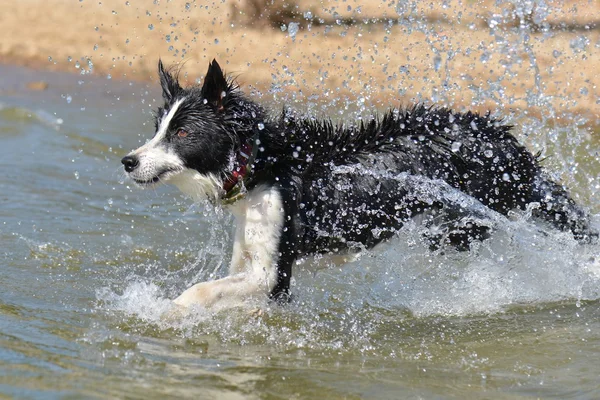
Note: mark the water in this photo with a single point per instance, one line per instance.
(88, 263)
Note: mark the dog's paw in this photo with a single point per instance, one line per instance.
(198, 295)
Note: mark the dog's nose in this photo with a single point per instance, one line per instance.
(130, 163)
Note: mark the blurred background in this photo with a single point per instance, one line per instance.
(530, 57)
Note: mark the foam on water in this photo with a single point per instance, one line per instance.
(140, 298)
(516, 266)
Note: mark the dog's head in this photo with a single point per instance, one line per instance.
(198, 131)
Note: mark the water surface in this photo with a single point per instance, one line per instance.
(89, 263)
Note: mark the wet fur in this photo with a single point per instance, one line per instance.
(319, 187)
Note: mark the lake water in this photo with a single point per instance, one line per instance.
(89, 263)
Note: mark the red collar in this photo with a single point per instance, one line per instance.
(233, 185)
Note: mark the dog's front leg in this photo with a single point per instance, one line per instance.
(240, 259)
(260, 219)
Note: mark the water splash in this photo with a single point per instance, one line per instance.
(522, 264)
(293, 28)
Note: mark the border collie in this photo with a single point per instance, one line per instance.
(299, 186)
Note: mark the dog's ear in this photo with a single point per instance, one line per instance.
(169, 84)
(215, 85)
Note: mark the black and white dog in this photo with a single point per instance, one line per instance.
(299, 186)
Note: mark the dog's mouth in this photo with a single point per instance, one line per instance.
(161, 176)
(149, 182)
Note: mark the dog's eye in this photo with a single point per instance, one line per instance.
(182, 133)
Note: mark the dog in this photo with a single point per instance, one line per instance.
(298, 186)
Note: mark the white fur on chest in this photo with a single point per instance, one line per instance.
(198, 186)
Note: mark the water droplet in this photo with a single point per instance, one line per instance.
(579, 44)
(261, 126)
(488, 153)
(69, 99)
(437, 62)
(456, 146)
(293, 28)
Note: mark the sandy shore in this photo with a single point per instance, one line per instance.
(468, 54)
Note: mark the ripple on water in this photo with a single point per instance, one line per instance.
(14, 114)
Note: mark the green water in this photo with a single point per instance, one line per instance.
(89, 263)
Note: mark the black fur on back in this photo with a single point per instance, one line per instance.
(476, 154)
(473, 153)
